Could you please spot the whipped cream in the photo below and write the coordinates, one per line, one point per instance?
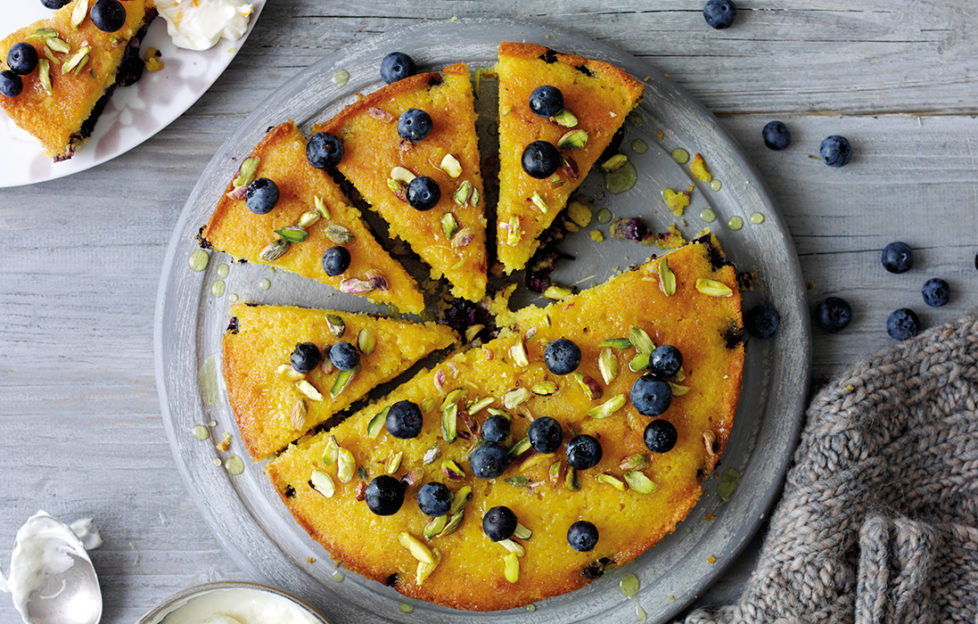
(200, 24)
(238, 606)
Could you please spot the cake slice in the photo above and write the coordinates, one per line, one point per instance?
(647, 477)
(311, 218)
(560, 141)
(449, 232)
(79, 68)
(279, 391)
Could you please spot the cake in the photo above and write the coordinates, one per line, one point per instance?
(449, 232)
(310, 207)
(275, 399)
(342, 484)
(79, 68)
(593, 102)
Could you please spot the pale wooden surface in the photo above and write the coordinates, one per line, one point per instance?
(80, 257)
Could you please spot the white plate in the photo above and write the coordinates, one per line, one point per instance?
(133, 113)
(246, 513)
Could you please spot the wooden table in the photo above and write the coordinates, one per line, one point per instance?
(80, 257)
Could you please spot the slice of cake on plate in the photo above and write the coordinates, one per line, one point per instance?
(80, 55)
(289, 369)
(411, 151)
(522, 468)
(557, 114)
(282, 211)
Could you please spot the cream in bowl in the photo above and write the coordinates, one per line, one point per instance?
(232, 603)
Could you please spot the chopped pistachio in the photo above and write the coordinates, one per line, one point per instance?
(453, 397)
(573, 139)
(44, 75)
(346, 466)
(638, 481)
(322, 483)
(607, 408)
(557, 292)
(397, 188)
(79, 13)
(452, 470)
(377, 422)
(309, 390)
(462, 193)
(472, 331)
(453, 524)
(610, 480)
(451, 166)
(428, 404)
(713, 288)
(678, 390)
(356, 286)
(275, 250)
(43, 33)
(77, 61)
(520, 447)
(435, 526)
(589, 385)
(463, 237)
(289, 373)
(564, 118)
(332, 450)
(366, 341)
(617, 343)
(534, 460)
(571, 480)
(308, 219)
(57, 45)
(51, 57)
(518, 353)
(449, 422)
(431, 455)
(401, 174)
(638, 461)
(338, 234)
(495, 411)
(449, 225)
(462, 496)
(522, 532)
(474, 200)
(544, 388)
(515, 397)
(320, 206)
(540, 202)
(377, 279)
(513, 547)
(614, 163)
(416, 547)
(639, 363)
(608, 365)
(511, 567)
(342, 381)
(641, 339)
(424, 570)
(554, 472)
(393, 462)
(579, 212)
(478, 406)
(297, 417)
(293, 233)
(521, 482)
(513, 231)
(667, 279)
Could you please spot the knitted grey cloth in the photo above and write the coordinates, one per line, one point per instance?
(879, 517)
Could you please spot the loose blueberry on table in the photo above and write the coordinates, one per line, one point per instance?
(541, 159)
(763, 320)
(545, 434)
(776, 135)
(835, 151)
(384, 495)
(423, 193)
(660, 436)
(324, 150)
(833, 314)
(562, 356)
(665, 361)
(435, 499)
(261, 196)
(414, 125)
(651, 396)
(22, 58)
(720, 13)
(488, 461)
(305, 357)
(902, 324)
(583, 452)
(396, 66)
(495, 429)
(936, 292)
(897, 257)
(582, 536)
(344, 356)
(336, 260)
(546, 101)
(499, 523)
(108, 15)
(404, 420)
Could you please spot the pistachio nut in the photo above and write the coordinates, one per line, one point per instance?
(309, 390)
(339, 234)
(366, 341)
(451, 166)
(377, 422)
(274, 250)
(564, 118)
(573, 139)
(416, 547)
(608, 365)
(614, 482)
(638, 481)
(641, 340)
(667, 279)
(322, 483)
(343, 380)
(540, 202)
(608, 408)
(346, 466)
(713, 288)
(449, 225)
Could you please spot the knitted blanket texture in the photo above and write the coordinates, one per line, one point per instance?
(878, 522)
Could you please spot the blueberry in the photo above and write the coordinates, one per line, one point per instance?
(562, 356)
(540, 159)
(324, 150)
(404, 420)
(423, 193)
(583, 451)
(336, 260)
(833, 314)
(488, 461)
(936, 292)
(22, 58)
(54, 4)
(651, 396)
(546, 101)
(776, 135)
(660, 436)
(897, 257)
(261, 196)
(10, 83)
(763, 320)
(495, 429)
(835, 151)
(435, 499)
(414, 125)
(384, 495)
(545, 434)
(499, 523)
(396, 66)
(582, 536)
(305, 357)
(108, 15)
(719, 13)
(344, 356)
(665, 361)
(902, 324)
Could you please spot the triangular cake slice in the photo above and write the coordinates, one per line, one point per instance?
(310, 207)
(633, 496)
(79, 68)
(450, 236)
(596, 98)
(275, 402)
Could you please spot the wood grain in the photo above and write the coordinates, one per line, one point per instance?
(80, 257)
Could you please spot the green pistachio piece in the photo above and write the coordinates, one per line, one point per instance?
(451, 166)
(43, 33)
(667, 279)
(400, 174)
(431, 455)
(517, 481)
(554, 471)
(518, 354)
(544, 388)
(308, 219)
(428, 404)
(589, 385)
(452, 470)
(462, 193)
(479, 405)
(639, 363)
(377, 422)
(416, 547)
(571, 480)
(309, 390)
(393, 462)
(713, 288)
(366, 341)
(511, 567)
(331, 451)
(338, 234)
(275, 250)
(610, 480)
(44, 75)
(637, 480)
(342, 381)
(449, 225)
(435, 526)
(608, 408)
(474, 200)
(640, 338)
(677, 390)
(495, 411)
(573, 139)
(449, 422)
(57, 45)
(362, 473)
(77, 60)
(515, 397)
(522, 532)
(608, 365)
(322, 483)
(462, 496)
(614, 163)
(318, 203)
(520, 447)
(617, 343)
(454, 396)
(513, 547)
(424, 570)
(293, 233)
(336, 325)
(540, 202)
(564, 118)
(453, 524)
(51, 57)
(346, 466)
(638, 461)
(79, 13)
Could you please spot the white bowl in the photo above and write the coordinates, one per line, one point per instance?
(158, 613)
